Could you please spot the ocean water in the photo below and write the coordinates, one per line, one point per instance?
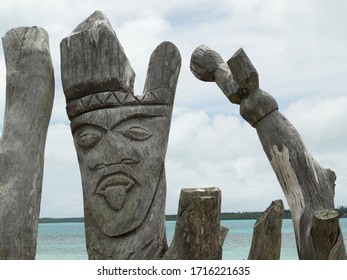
(66, 241)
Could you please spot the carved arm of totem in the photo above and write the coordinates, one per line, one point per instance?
(308, 187)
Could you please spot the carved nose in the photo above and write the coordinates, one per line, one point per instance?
(113, 150)
(123, 161)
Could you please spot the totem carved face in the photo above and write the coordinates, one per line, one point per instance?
(121, 154)
(120, 138)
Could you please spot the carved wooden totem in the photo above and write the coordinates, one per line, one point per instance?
(308, 187)
(29, 101)
(120, 139)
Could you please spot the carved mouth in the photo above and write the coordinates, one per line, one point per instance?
(114, 189)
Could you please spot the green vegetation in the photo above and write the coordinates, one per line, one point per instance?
(249, 215)
(238, 216)
(342, 211)
(224, 216)
(170, 217)
(60, 220)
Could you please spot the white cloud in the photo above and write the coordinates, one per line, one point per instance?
(321, 121)
(60, 153)
(149, 29)
(298, 48)
(61, 191)
(219, 151)
(223, 151)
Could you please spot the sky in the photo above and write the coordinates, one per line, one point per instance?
(297, 46)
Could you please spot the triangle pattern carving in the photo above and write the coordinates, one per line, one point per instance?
(94, 102)
(103, 97)
(121, 96)
(113, 100)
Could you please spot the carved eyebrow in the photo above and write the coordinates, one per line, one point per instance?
(74, 129)
(136, 116)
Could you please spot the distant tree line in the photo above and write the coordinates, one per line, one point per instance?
(224, 216)
(60, 220)
(342, 211)
(249, 215)
(237, 216)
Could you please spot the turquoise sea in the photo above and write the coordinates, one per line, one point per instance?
(66, 241)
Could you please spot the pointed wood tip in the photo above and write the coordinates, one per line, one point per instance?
(95, 20)
(243, 71)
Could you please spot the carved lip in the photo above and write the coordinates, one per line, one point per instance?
(118, 179)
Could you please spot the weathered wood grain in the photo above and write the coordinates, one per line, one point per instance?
(307, 186)
(325, 234)
(198, 234)
(29, 100)
(267, 234)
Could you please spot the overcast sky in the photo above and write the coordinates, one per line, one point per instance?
(297, 46)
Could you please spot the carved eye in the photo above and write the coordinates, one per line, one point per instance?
(88, 140)
(136, 133)
(88, 136)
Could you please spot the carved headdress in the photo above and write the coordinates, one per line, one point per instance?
(97, 74)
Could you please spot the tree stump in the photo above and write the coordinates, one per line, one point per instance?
(307, 186)
(198, 234)
(326, 233)
(29, 101)
(267, 234)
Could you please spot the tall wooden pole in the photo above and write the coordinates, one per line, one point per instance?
(29, 101)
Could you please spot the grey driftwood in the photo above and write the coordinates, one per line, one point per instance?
(308, 187)
(29, 100)
(267, 234)
(120, 140)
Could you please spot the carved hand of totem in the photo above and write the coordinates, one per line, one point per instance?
(238, 79)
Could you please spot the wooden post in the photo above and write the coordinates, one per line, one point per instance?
(326, 233)
(267, 236)
(198, 234)
(307, 186)
(29, 101)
